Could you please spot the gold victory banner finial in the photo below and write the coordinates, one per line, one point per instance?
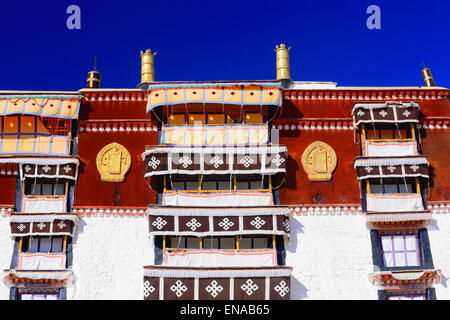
(283, 65)
(147, 66)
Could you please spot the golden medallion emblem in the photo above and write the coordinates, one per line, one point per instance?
(319, 161)
(113, 162)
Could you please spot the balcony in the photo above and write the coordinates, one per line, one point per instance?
(179, 283)
(391, 167)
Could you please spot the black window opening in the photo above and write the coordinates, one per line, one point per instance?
(217, 182)
(382, 131)
(223, 243)
(44, 187)
(35, 244)
(393, 185)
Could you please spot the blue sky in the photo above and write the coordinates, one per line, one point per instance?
(222, 40)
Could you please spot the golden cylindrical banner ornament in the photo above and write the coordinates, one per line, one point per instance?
(147, 66)
(283, 65)
(93, 79)
(428, 77)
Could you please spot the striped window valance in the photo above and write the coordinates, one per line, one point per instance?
(385, 112)
(237, 93)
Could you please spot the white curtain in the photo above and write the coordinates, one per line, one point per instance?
(221, 258)
(390, 149)
(392, 202)
(42, 261)
(44, 205)
(217, 199)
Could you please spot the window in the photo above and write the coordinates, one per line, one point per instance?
(401, 250)
(45, 187)
(38, 296)
(241, 242)
(176, 119)
(407, 297)
(222, 182)
(196, 118)
(251, 182)
(183, 182)
(43, 244)
(253, 117)
(255, 242)
(379, 131)
(393, 185)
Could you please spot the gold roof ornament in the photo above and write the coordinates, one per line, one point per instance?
(94, 77)
(113, 162)
(283, 65)
(147, 66)
(428, 77)
(319, 161)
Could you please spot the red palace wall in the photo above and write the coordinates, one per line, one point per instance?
(134, 191)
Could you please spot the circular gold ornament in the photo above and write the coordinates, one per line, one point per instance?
(319, 161)
(113, 162)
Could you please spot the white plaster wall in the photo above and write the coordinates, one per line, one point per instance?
(439, 234)
(331, 256)
(108, 258)
(6, 251)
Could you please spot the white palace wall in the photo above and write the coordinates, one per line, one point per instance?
(6, 252)
(330, 255)
(109, 254)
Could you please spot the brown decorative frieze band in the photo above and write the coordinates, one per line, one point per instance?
(386, 112)
(210, 160)
(391, 167)
(92, 211)
(117, 126)
(59, 171)
(360, 94)
(217, 283)
(22, 278)
(218, 221)
(42, 224)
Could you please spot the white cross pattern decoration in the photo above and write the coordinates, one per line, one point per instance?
(258, 222)
(27, 168)
(278, 160)
(159, 223)
(46, 168)
(414, 168)
(185, 161)
(216, 161)
(391, 168)
(61, 225)
(21, 227)
(148, 289)
(41, 225)
(214, 288)
(361, 113)
(368, 169)
(226, 223)
(246, 161)
(193, 224)
(249, 287)
(178, 288)
(406, 113)
(67, 168)
(383, 113)
(282, 288)
(154, 163)
(286, 225)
